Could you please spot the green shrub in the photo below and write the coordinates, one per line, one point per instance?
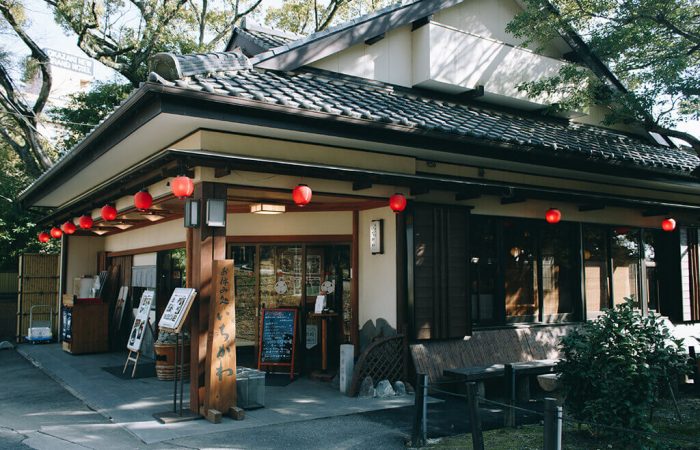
(614, 368)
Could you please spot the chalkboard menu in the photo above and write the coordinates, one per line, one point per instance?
(278, 338)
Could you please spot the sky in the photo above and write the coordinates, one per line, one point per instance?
(48, 34)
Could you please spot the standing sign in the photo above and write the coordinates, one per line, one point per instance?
(139, 327)
(176, 311)
(220, 372)
(278, 338)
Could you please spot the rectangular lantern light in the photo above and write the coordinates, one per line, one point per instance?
(216, 212)
(192, 218)
(267, 208)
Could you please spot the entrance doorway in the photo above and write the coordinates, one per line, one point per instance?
(293, 276)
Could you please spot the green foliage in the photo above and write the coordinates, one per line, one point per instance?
(85, 109)
(652, 47)
(18, 233)
(614, 367)
(308, 16)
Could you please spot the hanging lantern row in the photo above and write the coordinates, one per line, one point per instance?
(302, 195)
(668, 224)
(143, 200)
(68, 227)
(182, 186)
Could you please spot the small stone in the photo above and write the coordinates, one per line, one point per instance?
(5, 345)
(409, 388)
(367, 387)
(384, 389)
(400, 388)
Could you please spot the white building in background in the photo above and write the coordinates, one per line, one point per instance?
(70, 74)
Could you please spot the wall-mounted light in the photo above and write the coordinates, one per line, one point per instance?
(216, 212)
(99, 231)
(267, 208)
(192, 217)
(123, 226)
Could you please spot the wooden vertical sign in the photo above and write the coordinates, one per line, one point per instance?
(220, 379)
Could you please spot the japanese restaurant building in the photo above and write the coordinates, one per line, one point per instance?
(514, 217)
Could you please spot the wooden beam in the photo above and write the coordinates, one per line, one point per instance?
(421, 22)
(419, 190)
(375, 39)
(360, 185)
(461, 196)
(655, 212)
(511, 200)
(591, 207)
(220, 172)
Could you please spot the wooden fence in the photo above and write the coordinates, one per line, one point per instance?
(8, 305)
(38, 285)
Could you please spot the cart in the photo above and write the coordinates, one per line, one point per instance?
(40, 330)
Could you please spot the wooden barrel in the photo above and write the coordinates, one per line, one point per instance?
(165, 361)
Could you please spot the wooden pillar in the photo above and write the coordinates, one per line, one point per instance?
(355, 283)
(206, 245)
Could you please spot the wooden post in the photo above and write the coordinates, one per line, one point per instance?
(355, 283)
(474, 417)
(509, 379)
(552, 424)
(418, 433)
(220, 385)
(207, 244)
(696, 369)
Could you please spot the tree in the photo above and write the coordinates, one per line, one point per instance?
(123, 35)
(19, 118)
(85, 109)
(656, 83)
(308, 16)
(18, 232)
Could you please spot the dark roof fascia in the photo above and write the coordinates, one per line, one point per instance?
(138, 109)
(323, 43)
(235, 109)
(152, 170)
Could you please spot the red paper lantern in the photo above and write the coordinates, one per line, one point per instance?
(668, 224)
(43, 237)
(68, 227)
(397, 203)
(56, 233)
(85, 222)
(302, 195)
(182, 186)
(552, 215)
(143, 200)
(109, 212)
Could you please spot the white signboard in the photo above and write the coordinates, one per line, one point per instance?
(176, 311)
(139, 327)
(70, 62)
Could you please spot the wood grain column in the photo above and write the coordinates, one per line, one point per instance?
(355, 283)
(206, 244)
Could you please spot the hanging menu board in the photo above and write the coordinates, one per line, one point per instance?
(278, 338)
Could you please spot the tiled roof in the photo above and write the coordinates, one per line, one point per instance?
(270, 40)
(341, 95)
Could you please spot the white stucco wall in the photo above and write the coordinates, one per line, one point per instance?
(82, 258)
(289, 224)
(377, 296)
(158, 234)
(145, 259)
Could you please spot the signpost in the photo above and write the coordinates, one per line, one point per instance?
(220, 372)
(278, 338)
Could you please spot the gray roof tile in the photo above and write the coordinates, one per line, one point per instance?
(335, 95)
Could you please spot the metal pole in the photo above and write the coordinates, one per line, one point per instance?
(417, 433)
(552, 424)
(425, 411)
(509, 378)
(474, 417)
(175, 377)
(182, 366)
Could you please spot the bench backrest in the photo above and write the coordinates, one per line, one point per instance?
(487, 347)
